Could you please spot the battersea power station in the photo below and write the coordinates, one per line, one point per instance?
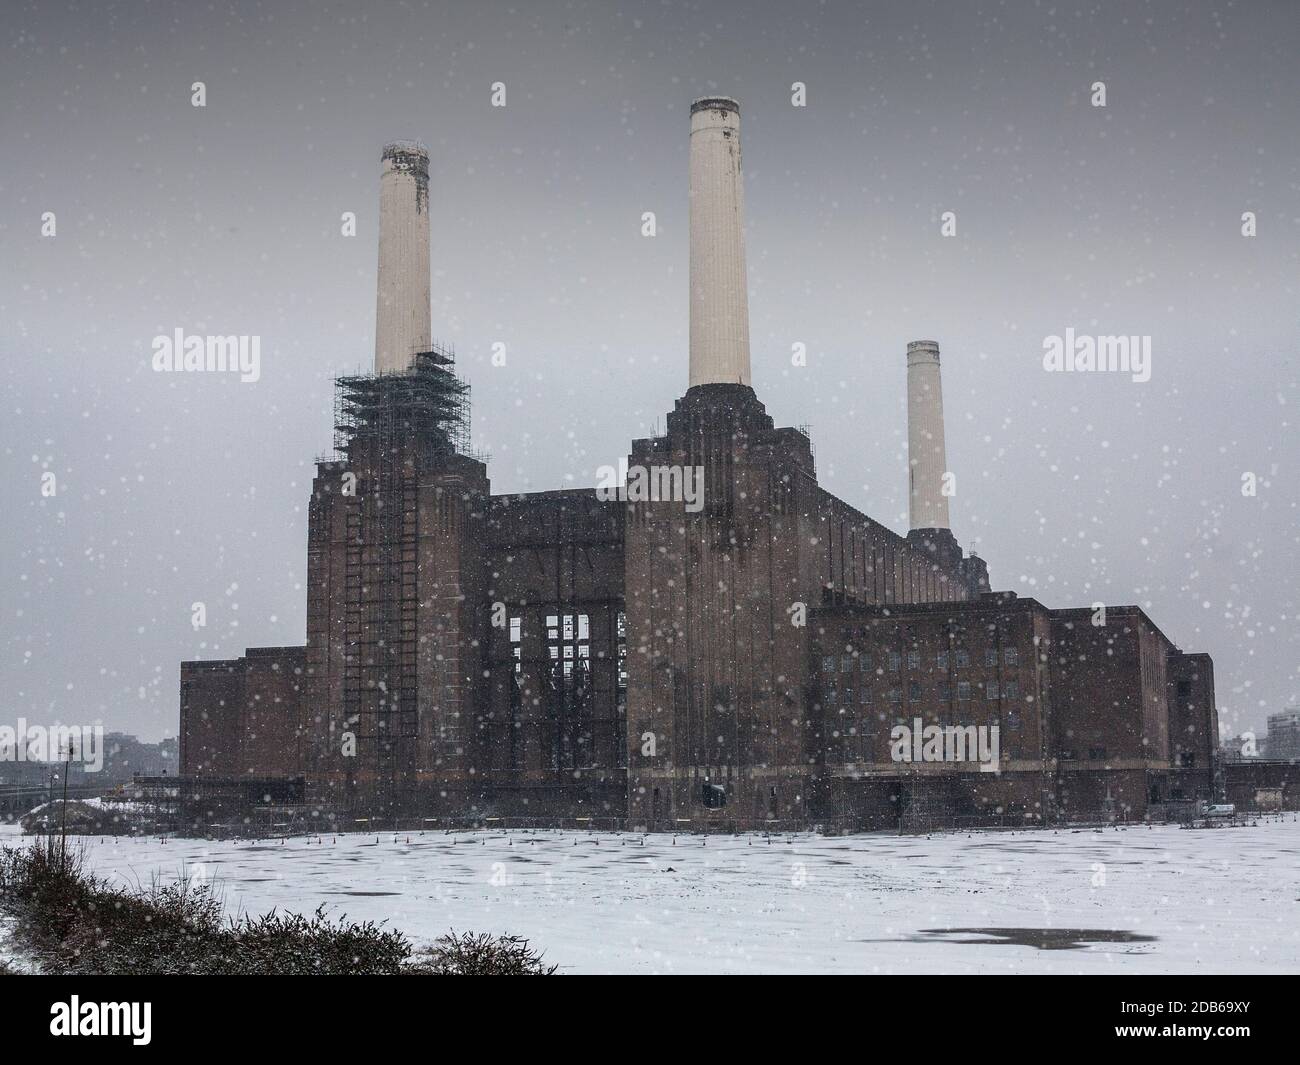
(716, 642)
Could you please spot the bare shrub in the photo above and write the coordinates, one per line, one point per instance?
(76, 923)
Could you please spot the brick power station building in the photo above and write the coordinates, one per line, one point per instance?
(747, 656)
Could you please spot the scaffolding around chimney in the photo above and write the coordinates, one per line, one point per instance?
(428, 402)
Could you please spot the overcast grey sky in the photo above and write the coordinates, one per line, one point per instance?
(177, 488)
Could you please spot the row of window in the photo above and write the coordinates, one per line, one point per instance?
(862, 742)
(992, 692)
(568, 642)
(861, 662)
(573, 626)
(847, 724)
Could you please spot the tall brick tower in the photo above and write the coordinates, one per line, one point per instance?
(720, 727)
(396, 617)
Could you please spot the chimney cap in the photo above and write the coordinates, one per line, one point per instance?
(715, 103)
(393, 149)
(923, 345)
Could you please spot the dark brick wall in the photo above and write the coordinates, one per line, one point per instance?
(1193, 717)
(979, 663)
(443, 655)
(717, 666)
(552, 730)
(212, 694)
(1243, 780)
(1111, 703)
(396, 627)
(240, 717)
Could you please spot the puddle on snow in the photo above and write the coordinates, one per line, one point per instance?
(1041, 938)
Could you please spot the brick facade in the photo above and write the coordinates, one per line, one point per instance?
(556, 655)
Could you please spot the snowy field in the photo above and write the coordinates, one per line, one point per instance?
(1136, 900)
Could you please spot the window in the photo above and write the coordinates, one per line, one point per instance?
(1011, 656)
(990, 656)
(963, 691)
(894, 661)
(516, 650)
(1184, 689)
(831, 696)
(963, 659)
(913, 660)
(991, 690)
(914, 691)
(945, 692)
(865, 695)
(567, 639)
(1067, 754)
(864, 662)
(941, 660)
(620, 628)
(1013, 721)
(895, 695)
(846, 663)
(1097, 754)
(848, 695)
(828, 664)
(1011, 690)
(1187, 759)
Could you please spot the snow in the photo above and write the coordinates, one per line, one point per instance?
(13, 957)
(1217, 900)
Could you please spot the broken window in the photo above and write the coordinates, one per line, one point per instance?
(569, 689)
(620, 626)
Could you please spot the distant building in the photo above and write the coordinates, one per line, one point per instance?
(1282, 741)
(126, 757)
(1243, 747)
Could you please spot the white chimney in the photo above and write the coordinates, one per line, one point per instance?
(927, 460)
(719, 295)
(402, 325)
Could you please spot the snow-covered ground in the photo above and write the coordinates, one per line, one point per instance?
(1147, 900)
